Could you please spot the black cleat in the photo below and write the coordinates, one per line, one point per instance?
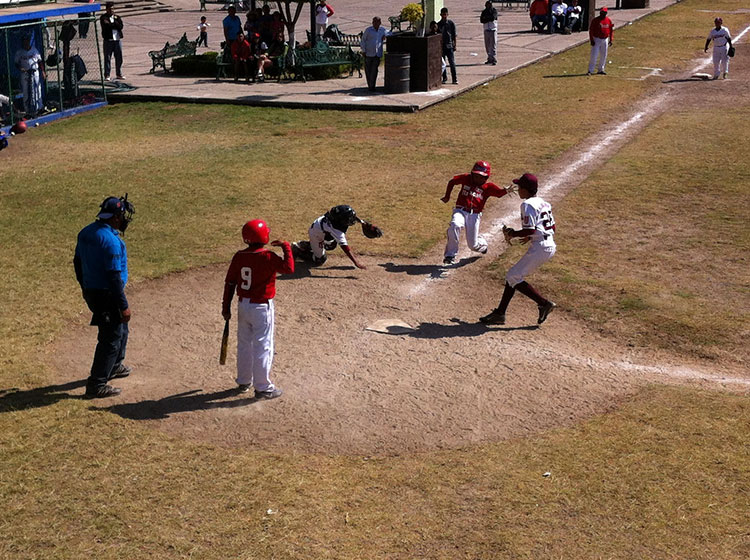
(121, 371)
(102, 392)
(494, 318)
(544, 311)
(449, 260)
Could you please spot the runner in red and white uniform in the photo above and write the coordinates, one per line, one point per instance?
(252, 273)
(475, 190)
(537, 229)
(601, 33)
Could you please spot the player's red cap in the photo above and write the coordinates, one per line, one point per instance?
(255, 231)
(527, 181)
(603, 9)
(482, 168)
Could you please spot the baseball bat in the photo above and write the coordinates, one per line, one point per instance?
(224, 344)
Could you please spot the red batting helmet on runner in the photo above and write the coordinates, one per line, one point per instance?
(482, 168)
(255, 231)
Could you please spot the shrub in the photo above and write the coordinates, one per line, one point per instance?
(196, 65)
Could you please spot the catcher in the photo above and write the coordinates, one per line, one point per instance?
(328, 231)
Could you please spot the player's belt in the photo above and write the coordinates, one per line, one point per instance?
(247, 299)
(469, 210)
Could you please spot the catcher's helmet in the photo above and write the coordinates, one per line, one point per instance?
(342, 215)
(113, 206)
(256, 231)
(482, 168)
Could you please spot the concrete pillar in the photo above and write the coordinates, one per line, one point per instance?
(432, 11)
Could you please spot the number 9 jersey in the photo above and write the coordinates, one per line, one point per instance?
(254, 271)
(536, 214)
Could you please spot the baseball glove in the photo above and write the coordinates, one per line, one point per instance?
(371, 231)
(506, 234)
(731, 52)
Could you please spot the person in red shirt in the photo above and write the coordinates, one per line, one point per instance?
(241, 55)
(475, 190)
(252, 273)
(539, 14)
(601, 33)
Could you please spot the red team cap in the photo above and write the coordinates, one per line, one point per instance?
(482, 168)
(527, 181)
(603, 9)
(256, 231)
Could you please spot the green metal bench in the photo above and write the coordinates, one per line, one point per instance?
(183, 47)
(323, 55)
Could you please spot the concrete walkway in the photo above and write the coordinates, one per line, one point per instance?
(517, 47)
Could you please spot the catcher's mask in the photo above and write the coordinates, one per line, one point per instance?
(343, 214)
(113, 206)
(256, 231)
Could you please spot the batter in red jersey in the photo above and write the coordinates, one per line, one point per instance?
(253, 274)
(475, 190)
(601, 33)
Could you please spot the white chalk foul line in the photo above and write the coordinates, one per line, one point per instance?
(682, 373)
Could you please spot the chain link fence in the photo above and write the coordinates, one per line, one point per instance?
(49, 66)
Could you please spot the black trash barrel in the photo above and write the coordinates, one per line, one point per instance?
(397, 68)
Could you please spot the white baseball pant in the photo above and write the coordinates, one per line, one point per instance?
(536, 256)
(255, 326)
(598, 49)
(721, 60)
(462, 219)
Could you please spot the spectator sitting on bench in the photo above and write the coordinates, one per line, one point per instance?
(573, 16)
(558, 16)
(538, 15)
(241, 56)
(259, 53)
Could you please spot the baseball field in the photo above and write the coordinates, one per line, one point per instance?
(616, 430)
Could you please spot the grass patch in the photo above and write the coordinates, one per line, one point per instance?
(664, 261)
(651, 480)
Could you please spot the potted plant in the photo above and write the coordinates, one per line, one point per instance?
(414, 14)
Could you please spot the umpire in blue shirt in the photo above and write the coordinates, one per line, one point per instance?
(101, 266)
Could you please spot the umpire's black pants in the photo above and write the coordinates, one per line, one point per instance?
(112, 339)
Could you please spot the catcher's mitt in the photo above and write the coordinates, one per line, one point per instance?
(731, 52)
(506, 234)
(371, 231)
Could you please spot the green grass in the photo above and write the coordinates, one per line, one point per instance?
(662, 477)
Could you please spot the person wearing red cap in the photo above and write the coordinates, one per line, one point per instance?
(538, 229)
(722, 43)
(601, 33)
(475, 190)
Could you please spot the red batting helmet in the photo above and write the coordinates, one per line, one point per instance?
(19, 128)
(256, 231)
(482, 168)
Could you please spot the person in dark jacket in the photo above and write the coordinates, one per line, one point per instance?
(112, 35)
(448, 29)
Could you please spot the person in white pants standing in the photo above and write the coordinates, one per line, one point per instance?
(253, 274)
(722, 42)
(601, 33)
(538, 229)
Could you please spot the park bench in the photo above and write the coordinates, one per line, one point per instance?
(396, 22)
(324, 55)
(225, 64)
(335, 38)
(183, 47)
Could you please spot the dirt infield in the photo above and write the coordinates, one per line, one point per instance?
(450, 383)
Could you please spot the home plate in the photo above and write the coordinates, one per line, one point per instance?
(390, 326)
(702, 76)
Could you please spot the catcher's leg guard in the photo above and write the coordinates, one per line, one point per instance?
(318, 261)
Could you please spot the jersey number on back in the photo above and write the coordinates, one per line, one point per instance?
(548, 222)
(247, 277)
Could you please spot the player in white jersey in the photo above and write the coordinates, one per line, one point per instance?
(538, 229)
(722, 41)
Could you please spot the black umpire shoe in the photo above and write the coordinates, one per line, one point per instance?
(494, 318)
(544, 311)
(102, 392)
(121, 371)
